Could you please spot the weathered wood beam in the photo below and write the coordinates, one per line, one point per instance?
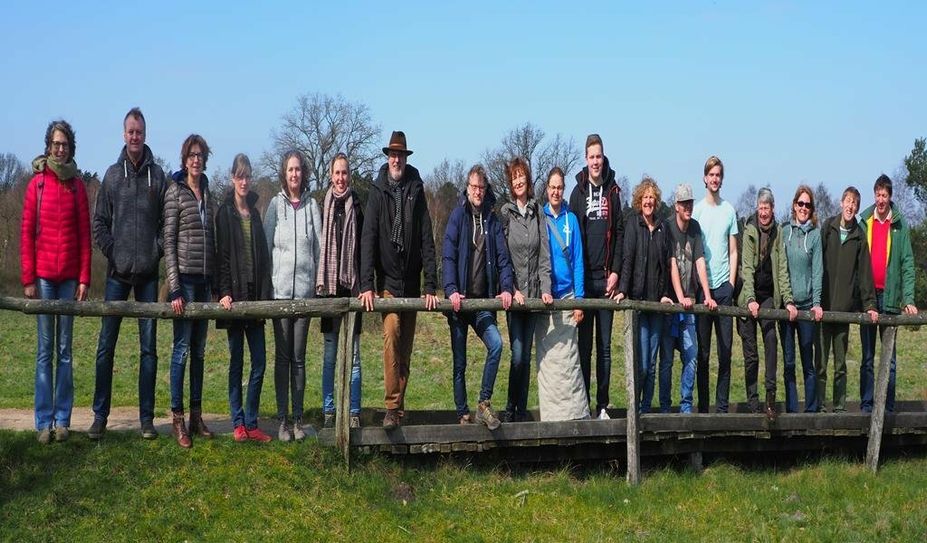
(881, 392)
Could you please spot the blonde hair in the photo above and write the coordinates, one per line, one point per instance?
(641, 189)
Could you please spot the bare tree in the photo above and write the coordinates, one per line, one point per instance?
(825, 205)
(746, 204)
(320, 126)
(442, 189)
(527, 141)
(12, 171)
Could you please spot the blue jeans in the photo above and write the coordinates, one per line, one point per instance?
(807, 343)
(521, 338)
(237, 333)
(148, 359)
(651, 327)
(867, 336)
(679, 334)
(329, 353)
(189, 339)
(53, 402)
(484, 324)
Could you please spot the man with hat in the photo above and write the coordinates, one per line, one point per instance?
(397, 244)
(687, 274)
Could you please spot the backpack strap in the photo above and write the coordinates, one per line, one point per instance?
(564, 248)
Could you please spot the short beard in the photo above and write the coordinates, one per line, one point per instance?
(396, 179)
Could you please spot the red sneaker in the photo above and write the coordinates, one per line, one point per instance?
(258, 435)
(240, 434)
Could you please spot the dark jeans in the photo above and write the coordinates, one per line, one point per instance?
(484, 324)
(724, 330)
(290, 336)
(521, 338)
(599, 323)
(746, 327)
(189, 340)
(237, 333)
(106, 347)
(807, 332)
(867, 336)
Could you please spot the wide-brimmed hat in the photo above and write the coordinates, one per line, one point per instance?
(397, 142)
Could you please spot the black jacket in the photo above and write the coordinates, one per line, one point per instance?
(398, 272)
(614, 244)
(637, 270)
(232, 279)
(127, 218)
(847, 284)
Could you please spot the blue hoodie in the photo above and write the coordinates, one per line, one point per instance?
(567, 274)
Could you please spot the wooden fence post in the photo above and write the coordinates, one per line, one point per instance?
(343, 369)
(877, 419)
(631, 357)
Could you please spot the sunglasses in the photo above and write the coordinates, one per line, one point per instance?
(806, 205)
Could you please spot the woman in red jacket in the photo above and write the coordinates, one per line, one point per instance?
(55, 258)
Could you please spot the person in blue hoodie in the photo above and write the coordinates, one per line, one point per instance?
(561, 391)
(803, 251)
(476, 265)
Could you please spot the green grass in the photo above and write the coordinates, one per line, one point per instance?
(124, 488)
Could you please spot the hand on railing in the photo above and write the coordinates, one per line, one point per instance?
(431, 301)
(817, 313)
(506, 298)
(226, 302)
(367, 297)
(455, 299)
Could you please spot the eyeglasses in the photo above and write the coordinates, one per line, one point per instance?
(194, 156)
(477, 188)
(806, 205)
(60, 145)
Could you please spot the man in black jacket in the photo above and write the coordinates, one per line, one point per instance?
(398, 245)
(127, 229)
(596, 201)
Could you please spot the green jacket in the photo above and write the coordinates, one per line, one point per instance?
(847, 269)
(750, 259)
(899, 276)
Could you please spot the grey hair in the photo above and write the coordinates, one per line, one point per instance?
(765, 196)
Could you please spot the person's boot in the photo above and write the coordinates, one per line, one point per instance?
(197, 426)
(179, 429)
(771, 413)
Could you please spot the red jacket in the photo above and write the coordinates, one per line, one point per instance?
(59, 249)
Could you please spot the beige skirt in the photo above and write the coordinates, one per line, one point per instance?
(561, 391)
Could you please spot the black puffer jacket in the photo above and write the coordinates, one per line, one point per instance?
(398, 272)
(231, 277)
(646, 260)
(127, 218)
(189, 242)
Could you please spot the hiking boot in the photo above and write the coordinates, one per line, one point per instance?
(62, 433)
(485, 415)
(197, 426)
(179, 429)
(256, 434)
(328, 421)
(355, 421)
(771, 413)
(465, 419)
(298, 433)
(283, 433)
(240, 434)
(148, 430)
(391, 419)
(44, 436)
(97, 429)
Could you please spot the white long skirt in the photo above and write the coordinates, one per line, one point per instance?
(561, 391)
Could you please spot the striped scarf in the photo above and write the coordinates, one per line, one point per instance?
(396, 236)
(338, 259)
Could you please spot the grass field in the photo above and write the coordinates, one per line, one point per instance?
(124, 488)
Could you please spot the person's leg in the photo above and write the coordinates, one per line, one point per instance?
(746, 328)
(787, 331)
(356, 376)
(298, 368)
(329, 353)
(488, 332)
(183, 331)
(841, 341)
(283, 359)
(391, 372)
(725, 330)
(236, 337)
(254, 332)
(603, 359)
(516, 326)
(703, 329)
(44, 358)
(148, 352)
(651, 327)
(688, 345)
(407, 338)
(890, 395)
(808, 333)
(770, 350)
(64, 372)
(867, 339)
(459, 325)
(821, 360)
(106, 348)
(672, 332)
(198, 332)
(584, 344)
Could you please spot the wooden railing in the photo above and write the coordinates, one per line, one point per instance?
(349, 307)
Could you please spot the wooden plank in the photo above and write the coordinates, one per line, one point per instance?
(631, 359)
(881, 392)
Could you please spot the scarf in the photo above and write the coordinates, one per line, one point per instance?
(767, 235)
(396, 236)
(65, 171)
(337, 260)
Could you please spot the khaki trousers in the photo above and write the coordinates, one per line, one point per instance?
(398, 333)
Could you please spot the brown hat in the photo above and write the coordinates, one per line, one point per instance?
(397, 142)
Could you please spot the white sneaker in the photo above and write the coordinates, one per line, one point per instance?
(603, 415)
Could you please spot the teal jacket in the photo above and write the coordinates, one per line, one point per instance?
(804, 254)
(899, 276)
(750, 260)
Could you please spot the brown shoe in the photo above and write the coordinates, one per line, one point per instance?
(771, 413)
(197, 426)
(391, 419)
(179, 429)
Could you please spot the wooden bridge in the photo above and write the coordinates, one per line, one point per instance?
(627, 436)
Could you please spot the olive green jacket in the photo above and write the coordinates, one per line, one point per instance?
(750, 260)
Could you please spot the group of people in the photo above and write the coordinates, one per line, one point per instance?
(583, 247)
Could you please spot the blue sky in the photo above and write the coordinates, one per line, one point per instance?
(783, 92)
